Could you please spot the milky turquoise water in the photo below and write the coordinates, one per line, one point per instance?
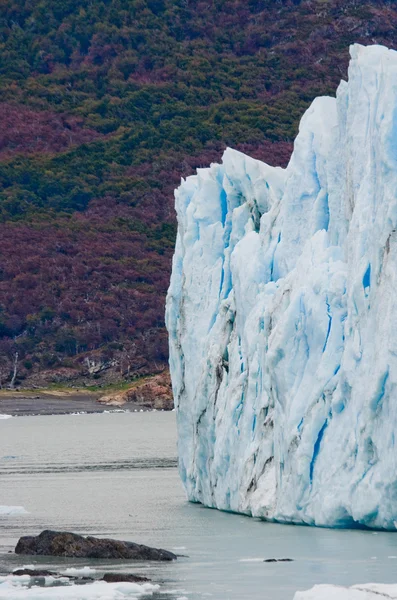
(115, 475)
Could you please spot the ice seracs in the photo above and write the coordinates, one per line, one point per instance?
(282, 315)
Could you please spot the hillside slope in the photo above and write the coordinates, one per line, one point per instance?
(103, 107)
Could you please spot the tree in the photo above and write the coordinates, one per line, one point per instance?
(15, 370)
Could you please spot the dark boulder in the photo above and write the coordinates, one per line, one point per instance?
(35, 573)
(63, 543)
(273, 560)
(285, 559)
(123, 578)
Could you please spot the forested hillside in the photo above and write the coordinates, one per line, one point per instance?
(104, 105)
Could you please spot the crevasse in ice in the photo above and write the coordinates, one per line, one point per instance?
(282, 317)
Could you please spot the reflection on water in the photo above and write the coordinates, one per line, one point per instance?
(115, 475)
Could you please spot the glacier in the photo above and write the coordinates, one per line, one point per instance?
(282, 317)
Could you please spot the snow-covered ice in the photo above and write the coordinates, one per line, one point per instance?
(79, 572)
(18, 581)
(20, 587)
(3, 417)
(16, 588)
(368, 591)
(11, 511)
(282, 315)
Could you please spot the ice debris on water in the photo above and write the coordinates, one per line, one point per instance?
(282, 316)
(11, 511)
(79, 572)
(368, 591)
(15, 588)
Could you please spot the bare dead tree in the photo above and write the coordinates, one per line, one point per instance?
(15, 370)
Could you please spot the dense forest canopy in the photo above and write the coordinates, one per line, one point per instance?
(104, 105)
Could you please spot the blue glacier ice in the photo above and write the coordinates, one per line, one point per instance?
(282, 317)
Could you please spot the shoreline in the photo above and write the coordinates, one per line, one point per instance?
(144, 395)
(18, 404)
(22, 404)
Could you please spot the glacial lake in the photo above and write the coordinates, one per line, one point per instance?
(115, 475)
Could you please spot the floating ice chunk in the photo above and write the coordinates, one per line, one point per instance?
(8, 511)
(28, 580)
(369, 591)
(15, 588)
(15, 580)
(79, 572)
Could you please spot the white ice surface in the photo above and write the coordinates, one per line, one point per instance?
(11, 511)
(15, 588)
(282, 317)
(368, 591)
(82, 572)
(2, 417)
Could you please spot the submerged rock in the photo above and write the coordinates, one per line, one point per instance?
(123, 578)
(35, 573)
(63, 543)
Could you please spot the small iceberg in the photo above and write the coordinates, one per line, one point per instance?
(11, 511)
(367, 591)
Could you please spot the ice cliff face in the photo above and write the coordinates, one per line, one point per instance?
(282, 315)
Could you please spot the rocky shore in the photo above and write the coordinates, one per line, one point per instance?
(152, 392)
(148, 393)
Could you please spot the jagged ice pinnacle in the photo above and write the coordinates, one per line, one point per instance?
(282, 317)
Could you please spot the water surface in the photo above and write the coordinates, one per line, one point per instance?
(115, 475)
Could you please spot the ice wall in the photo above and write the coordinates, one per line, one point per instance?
(282, 317)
